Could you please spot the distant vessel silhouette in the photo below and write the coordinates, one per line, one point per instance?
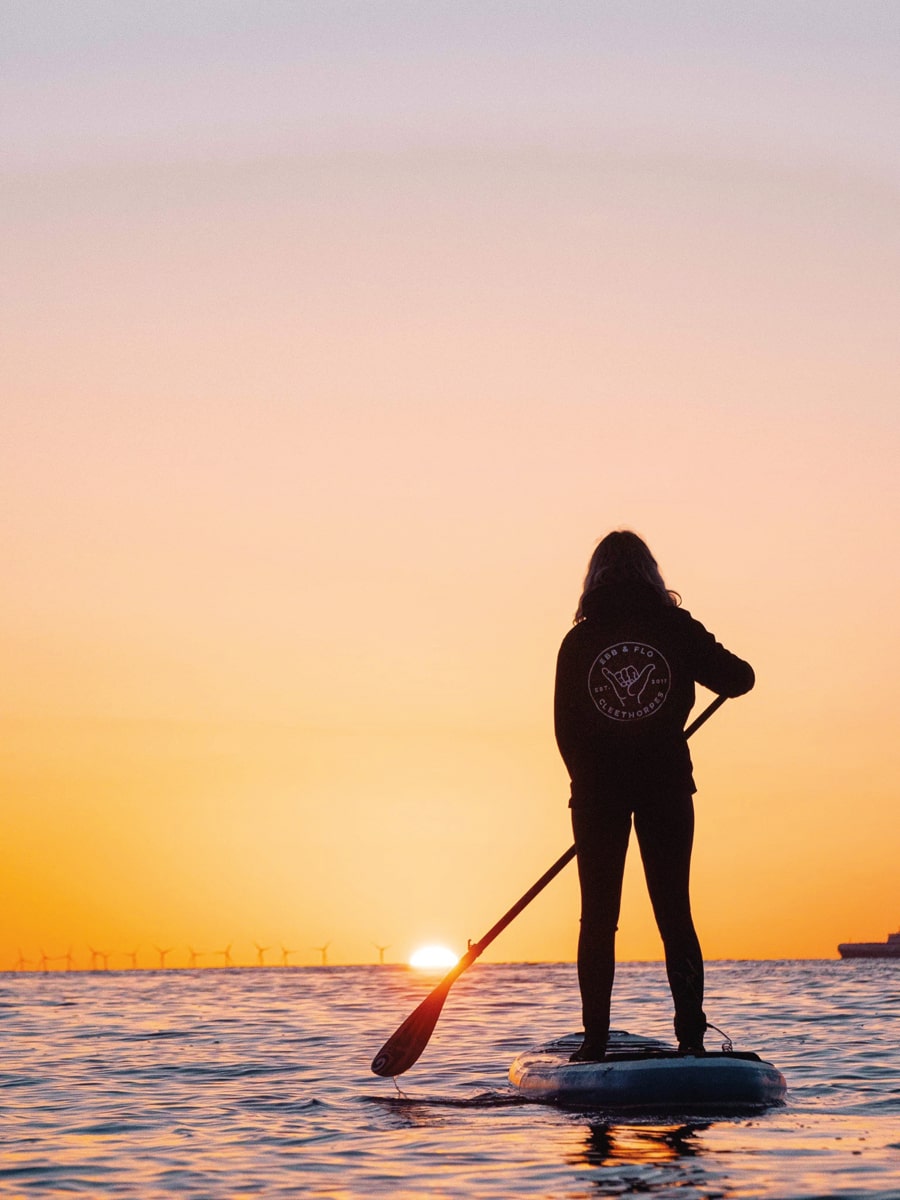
(888, 949)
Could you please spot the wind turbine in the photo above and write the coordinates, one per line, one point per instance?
(284, 955)
(193, 955)
(226, 956)
(162, 956)
(43, 960)
(260, 951)
(381, 950)
(95, 954)
(323, 950)
(21, 961)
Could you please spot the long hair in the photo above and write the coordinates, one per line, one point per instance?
(623, 557)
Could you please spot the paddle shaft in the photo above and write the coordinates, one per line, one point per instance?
(406, 1044)
(562, 861)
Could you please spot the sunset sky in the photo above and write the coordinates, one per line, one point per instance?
(334, 335)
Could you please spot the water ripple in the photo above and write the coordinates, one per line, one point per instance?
(225, 1083)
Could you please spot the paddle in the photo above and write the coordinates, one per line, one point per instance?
(406, 1044)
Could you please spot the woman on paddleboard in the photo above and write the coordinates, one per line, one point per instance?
(624, 688)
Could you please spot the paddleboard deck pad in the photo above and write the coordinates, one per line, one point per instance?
(646, 1075)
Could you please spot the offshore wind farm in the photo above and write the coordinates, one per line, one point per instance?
(171, 958)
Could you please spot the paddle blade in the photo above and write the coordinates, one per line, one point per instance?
(405, 1045)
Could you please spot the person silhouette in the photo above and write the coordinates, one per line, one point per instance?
(625, 684)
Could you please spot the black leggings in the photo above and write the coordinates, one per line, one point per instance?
(665, 833)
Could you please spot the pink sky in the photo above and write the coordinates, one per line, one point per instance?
(334, 337)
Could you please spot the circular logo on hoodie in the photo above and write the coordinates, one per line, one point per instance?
(629, 681)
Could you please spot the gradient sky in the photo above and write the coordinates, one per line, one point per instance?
(334, 336)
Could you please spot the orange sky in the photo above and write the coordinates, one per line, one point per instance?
(333, 339)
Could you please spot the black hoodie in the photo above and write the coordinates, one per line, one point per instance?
(624, 689)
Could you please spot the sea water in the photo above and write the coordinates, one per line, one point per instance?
(256, 1082)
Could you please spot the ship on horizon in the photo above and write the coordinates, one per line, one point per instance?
(888, 949)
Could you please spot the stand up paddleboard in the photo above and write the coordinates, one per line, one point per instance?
(644, 1074)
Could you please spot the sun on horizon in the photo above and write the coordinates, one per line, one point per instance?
(431, 957)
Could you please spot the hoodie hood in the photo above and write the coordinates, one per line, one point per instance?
(610, 599)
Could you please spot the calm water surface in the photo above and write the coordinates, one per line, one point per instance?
(244, 1082)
